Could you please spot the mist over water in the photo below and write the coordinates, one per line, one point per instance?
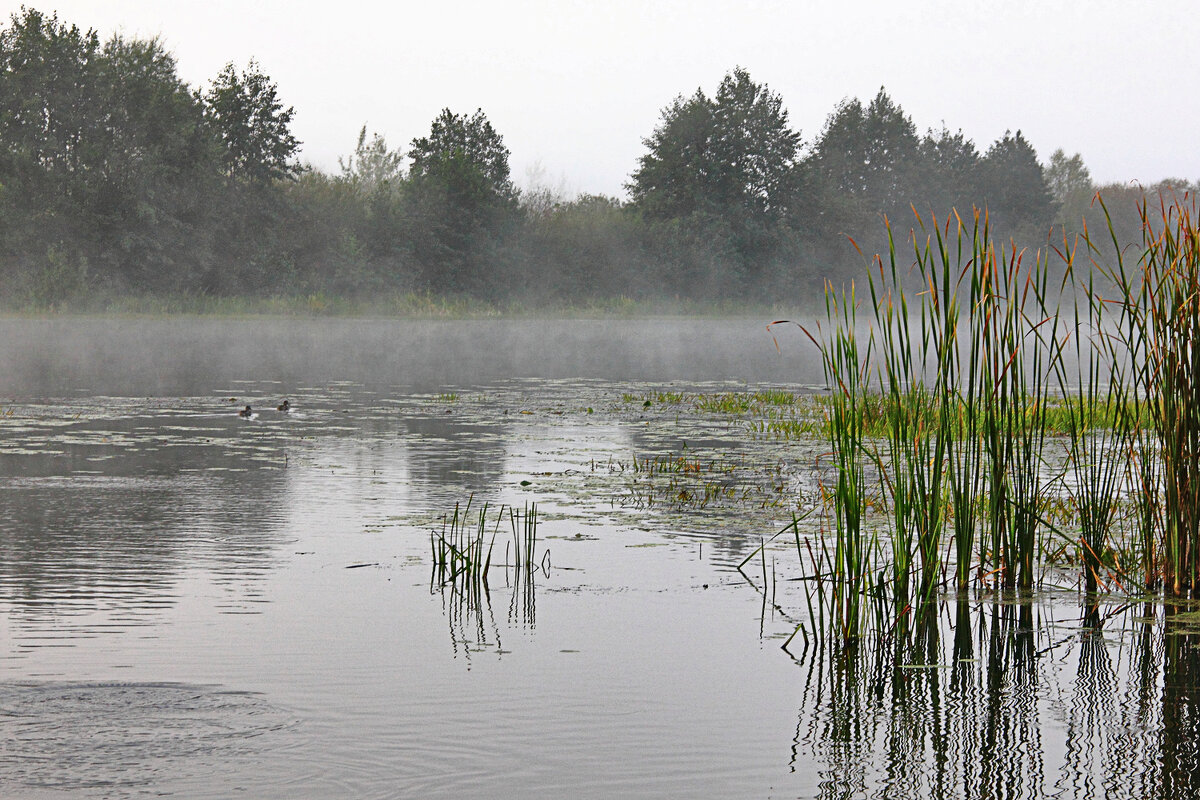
(190, 356)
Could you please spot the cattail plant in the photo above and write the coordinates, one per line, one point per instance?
(1159, 327)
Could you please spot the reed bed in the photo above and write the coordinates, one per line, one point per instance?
(990, 386)
(1157, 304)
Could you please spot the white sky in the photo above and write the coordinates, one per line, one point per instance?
(574, 85)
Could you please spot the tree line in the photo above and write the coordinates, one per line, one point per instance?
(117, 178)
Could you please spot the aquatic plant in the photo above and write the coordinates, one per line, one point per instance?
(853, 577)
(956, 377)
(462, 554)
(462, 550)
(973, 357)
(1097, 417)
(716, 480)
(1158, 328)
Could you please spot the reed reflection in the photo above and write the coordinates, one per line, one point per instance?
(467, 565)
(996, 698)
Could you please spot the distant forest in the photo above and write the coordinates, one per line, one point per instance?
(118, 179)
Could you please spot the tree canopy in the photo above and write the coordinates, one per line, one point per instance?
(1014, 183)
(244, 111)
(723, 167)
(466, 156)
(117, 177)
(732, 153)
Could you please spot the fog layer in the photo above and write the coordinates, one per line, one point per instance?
(132, 357)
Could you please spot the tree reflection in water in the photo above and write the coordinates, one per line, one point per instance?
(994, 698)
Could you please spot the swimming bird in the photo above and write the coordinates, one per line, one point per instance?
(246, 412)
(284, 406)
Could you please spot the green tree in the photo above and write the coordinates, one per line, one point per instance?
(105, 156)
(671, 179)
(373, 165)
(948, 174)
(1014, 186)
(158, 168)
(48, 119)
(724, 169)
(252, 131)
(461, 203)
(466, 156)
(1070, 185)
(734, 152)
(862, 166)
(868, 154)
(246, 115)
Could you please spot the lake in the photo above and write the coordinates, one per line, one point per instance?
(198, 604)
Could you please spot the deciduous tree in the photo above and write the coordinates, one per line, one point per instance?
(252, 124)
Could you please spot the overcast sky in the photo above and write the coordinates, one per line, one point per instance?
(574, 86)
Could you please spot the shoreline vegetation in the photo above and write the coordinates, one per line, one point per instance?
(122, 188)
(941, 408)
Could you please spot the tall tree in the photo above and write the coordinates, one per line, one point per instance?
(733, 152)
(48, 122)
(466, 156)
(1070, 185)
(724, 168)
(250, 121)
(868, 154)
(947, 174)
(159, 167)
(671, 181)
(1014, 186)
(461, 202)
(104, 155)
(252, 129)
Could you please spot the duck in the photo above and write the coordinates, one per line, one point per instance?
(246, 413)
(285, 406)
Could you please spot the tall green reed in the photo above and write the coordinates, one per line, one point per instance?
(1159, 327)
(975, 350)
(853, 570)
(1019, 336)
(966, 393)
(1099, 420)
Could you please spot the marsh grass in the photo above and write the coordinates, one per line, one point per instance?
(974, 355)
(1157, 305)
(689, 481)
(854, 565)
(462, 551)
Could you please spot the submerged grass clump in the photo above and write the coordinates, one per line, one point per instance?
(1015, 411)
(463, 563)
(687, 481)
(462, 550)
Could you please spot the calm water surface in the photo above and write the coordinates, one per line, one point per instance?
(194, 604)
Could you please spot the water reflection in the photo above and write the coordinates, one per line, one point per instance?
(472, 618)
(117, 512)
(1179, 727)
(466, 454)
(106, 507)
(996, 698)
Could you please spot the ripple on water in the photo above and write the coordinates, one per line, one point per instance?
(116, 737)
